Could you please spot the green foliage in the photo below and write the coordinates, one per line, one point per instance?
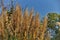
(52, 19)
(59, 17)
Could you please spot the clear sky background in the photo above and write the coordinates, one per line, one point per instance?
(42, 6)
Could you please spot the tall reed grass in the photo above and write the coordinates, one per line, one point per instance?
(21, 26)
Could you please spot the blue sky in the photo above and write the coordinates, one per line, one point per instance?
(41, 6)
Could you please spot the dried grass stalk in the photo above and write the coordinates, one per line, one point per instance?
(17, 26)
